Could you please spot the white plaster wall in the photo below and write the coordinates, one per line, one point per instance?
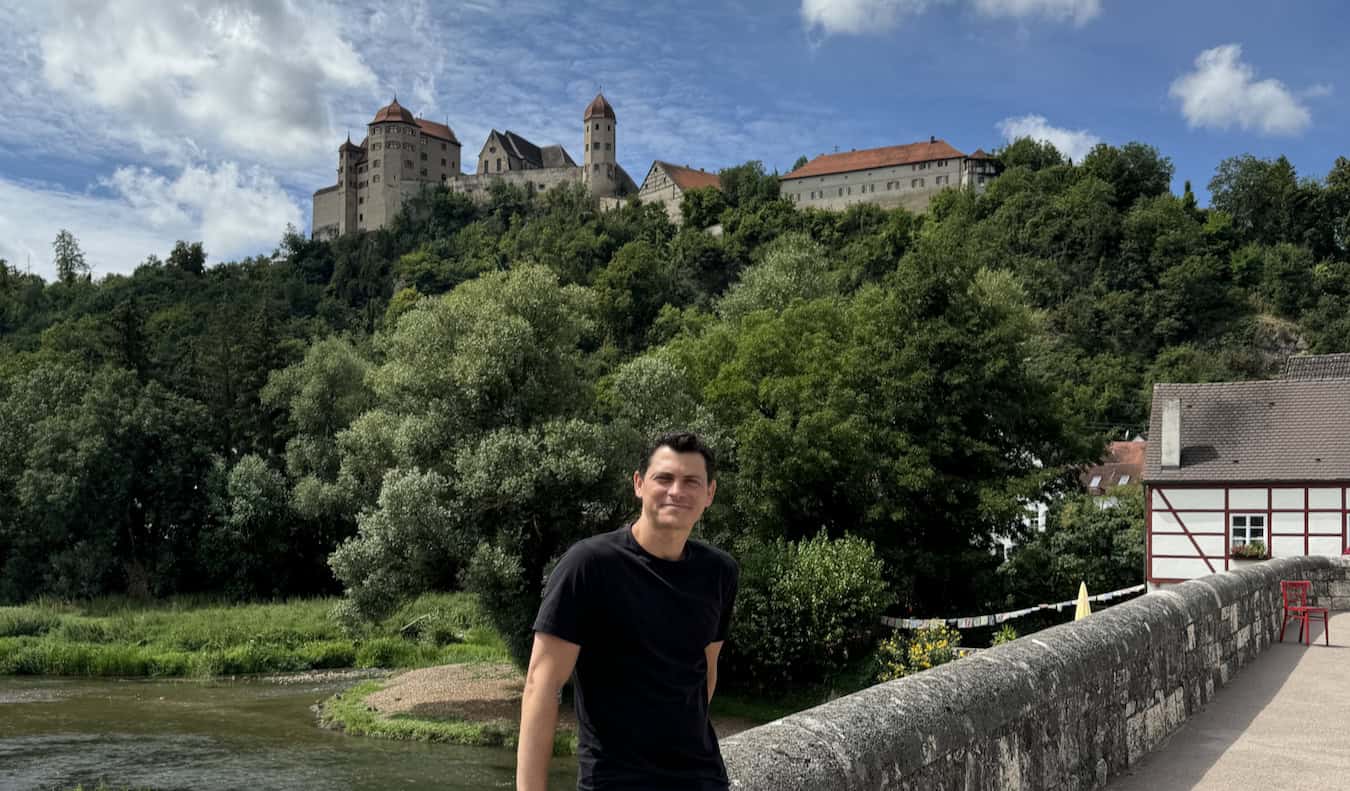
(1183, 568)
(1189, 498)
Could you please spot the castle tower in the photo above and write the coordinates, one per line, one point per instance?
(601, 158)
(391, 156)
(350, 158)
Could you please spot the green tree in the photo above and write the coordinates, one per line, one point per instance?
(1089, 539)
(801, 161)
(1031, 154)
(481, 408)
(190, 258)
(1259, 195)
(69, 258)
(702, 207)
(245, 548)
(1135, 170)
(747, 185)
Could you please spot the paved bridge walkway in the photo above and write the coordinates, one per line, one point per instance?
(1282, 723)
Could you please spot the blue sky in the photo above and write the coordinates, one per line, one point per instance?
(137, 122)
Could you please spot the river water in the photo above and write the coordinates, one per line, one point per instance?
(56, 733)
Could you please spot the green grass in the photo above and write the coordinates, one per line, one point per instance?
(196, 637)
(349, 712)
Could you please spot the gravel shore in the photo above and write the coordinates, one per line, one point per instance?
(479, 692)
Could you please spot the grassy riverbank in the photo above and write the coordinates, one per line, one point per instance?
(349, 712)
(194, 638)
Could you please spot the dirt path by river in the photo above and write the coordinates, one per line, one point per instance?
(479, 693)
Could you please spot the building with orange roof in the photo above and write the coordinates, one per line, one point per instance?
(403, 154)
(667, 184)
(905, 176)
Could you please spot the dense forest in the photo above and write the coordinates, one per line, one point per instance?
(450, 402)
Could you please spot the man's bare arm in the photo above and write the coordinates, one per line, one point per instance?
(712, 651)
(551, 662)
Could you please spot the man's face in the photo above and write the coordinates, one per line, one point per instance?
(676, 490)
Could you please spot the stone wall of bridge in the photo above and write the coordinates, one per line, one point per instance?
(1062, 709)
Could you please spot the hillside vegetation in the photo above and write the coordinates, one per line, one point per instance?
(450, 402)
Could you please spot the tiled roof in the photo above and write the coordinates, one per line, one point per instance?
(690, 179)
(436, 130)
(599, 106)
(520, 147)
(556, 157)
(1277, 430)
(889, 156)
(1123, 463)
(393, 112)
(980, 154)
(1317, 366)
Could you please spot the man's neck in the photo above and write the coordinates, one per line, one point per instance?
(664, 543)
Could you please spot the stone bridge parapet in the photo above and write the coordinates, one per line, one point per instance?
(1061, 709)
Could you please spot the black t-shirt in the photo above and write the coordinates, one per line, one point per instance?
(640, 683)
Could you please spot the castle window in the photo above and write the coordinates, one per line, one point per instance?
(424, 172)
(442, 146)
(424, 155)
(442, 161)
(841, 192)
(375, 179)
(407, 163)
(360, 200)
(595, 146)
(597, 127)
(606, 146)
(360, 218)
(499, 164)
(374, 164)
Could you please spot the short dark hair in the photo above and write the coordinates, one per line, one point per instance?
(680, 442)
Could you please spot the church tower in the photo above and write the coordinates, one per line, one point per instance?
(601, 158)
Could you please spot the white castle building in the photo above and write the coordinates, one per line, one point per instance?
(402, 154)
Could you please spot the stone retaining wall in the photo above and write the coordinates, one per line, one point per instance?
(1065, 708)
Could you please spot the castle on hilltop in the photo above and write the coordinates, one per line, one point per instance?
(402, 154)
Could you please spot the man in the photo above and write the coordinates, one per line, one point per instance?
(640, 613)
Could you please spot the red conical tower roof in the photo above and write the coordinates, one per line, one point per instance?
(599, 106)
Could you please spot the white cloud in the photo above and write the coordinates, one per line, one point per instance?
(1222, 92)
(234, 212)
(853, 17)
(857, 16)
(1078, 12)
(1073, 143)
(250, 78)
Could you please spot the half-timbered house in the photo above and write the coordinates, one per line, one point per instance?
(1232, 463)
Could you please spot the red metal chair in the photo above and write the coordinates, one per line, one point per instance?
(1296, 608)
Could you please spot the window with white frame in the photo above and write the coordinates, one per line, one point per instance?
(1248, 529)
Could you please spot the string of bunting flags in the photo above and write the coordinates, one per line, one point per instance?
(973, 621)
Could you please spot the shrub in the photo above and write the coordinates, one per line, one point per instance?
(498, 579)
(1005, 634)
(927, 647)
(804, 609)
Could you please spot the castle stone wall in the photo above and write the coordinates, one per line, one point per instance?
(540, 179)
(327, 220)
(1063, 709)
